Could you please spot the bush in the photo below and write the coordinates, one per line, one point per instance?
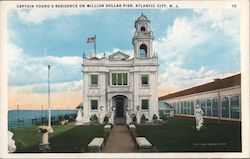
(143, 118)
(155, 117)
(134, 119)
(94, 118)
(106, 120)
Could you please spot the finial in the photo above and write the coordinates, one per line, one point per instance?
(142, 14)
(83, 55)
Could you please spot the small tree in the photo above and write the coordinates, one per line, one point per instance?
(143, 118)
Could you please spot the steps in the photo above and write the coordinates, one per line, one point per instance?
(120, 121)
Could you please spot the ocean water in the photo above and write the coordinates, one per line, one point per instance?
(32, 114)
(33, 117)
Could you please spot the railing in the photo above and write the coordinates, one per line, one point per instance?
(144, 34)
(55, 120)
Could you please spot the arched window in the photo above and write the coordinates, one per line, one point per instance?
(209, 107)
(143, 28)
(225, 107)
(143, 51)
(215, 106)
(235, 107)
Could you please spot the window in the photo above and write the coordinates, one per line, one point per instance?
(119, 79)
(175, 108)
(94, 79)
(182, 109)
(189, 107)
(143, 51)
(144, 104)
(143, 28)
(113, 79)
(178, 108)
(203, 105)
(185, 107)
(192, 107)
(94, 104)
(215, 107)
(209, 107)
(125, 79)
(225, 107)
(144, 79)
(235, 107)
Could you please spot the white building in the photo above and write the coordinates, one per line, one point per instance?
(119, 86)
(220, 99)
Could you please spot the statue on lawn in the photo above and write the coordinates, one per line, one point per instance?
(11, 142)
(198, 117)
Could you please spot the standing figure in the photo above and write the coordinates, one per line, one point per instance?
(198, 117)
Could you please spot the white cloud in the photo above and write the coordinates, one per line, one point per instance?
(181, 40)
(54, 87)
(23, 69)
(37, 16)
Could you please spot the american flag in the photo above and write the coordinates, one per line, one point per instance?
(91, 40)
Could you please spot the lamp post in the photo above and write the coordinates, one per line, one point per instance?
(41, 111)
(17, 105)
(49, 120)
(58, 111)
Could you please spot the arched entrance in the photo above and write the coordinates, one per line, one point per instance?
(120, 102)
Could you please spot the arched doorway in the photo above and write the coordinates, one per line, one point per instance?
(120, 102)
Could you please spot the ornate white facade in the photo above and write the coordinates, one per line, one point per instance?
(120, 87)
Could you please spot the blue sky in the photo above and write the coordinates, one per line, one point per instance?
(194, 46)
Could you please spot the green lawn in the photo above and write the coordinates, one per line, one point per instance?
(180, 135)
(66, 138)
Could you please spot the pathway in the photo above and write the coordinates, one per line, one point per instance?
(119, 141)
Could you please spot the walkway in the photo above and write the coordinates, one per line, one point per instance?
(119, 141)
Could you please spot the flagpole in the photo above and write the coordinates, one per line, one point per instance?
(49, 110)
(95, 45)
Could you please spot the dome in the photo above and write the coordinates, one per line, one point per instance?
(142, 18)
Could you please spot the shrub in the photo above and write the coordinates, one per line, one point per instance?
(143, 118)
(134, 119)
(155, 117)
(106, 120)
(94, 118)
